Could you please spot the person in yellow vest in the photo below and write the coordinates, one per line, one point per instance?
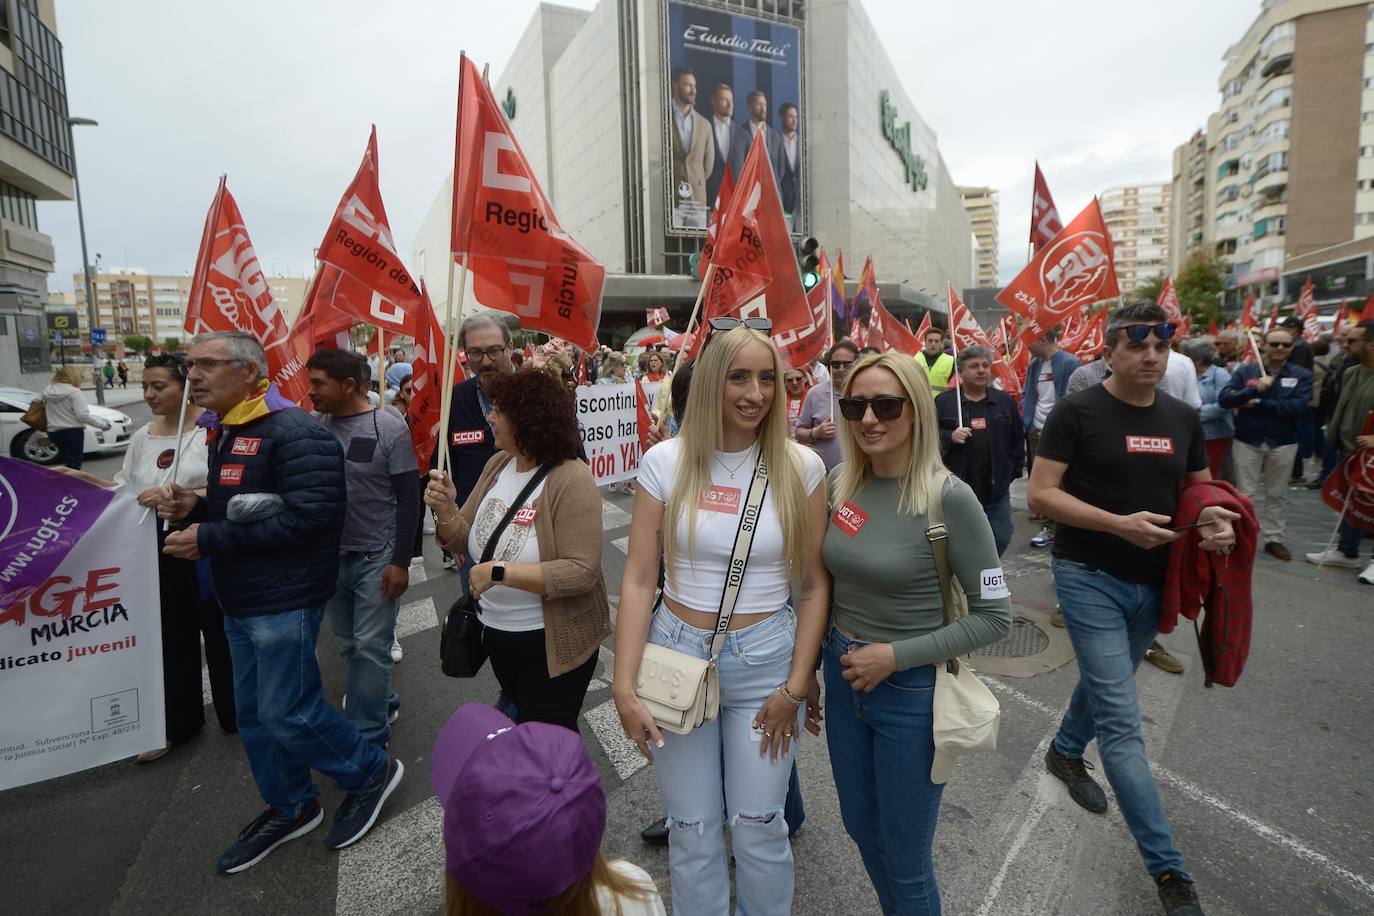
(938, 364)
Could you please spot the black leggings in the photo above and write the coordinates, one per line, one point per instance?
(185, 616)
(522, 668)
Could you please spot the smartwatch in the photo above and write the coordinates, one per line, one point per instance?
(498, 572)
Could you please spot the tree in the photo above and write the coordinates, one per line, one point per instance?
(171, 344)
(1197, 285)
(1150, 289)
(138, 343)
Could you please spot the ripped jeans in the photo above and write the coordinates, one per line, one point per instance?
(723, 755)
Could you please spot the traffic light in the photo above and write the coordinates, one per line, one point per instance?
(809, 262)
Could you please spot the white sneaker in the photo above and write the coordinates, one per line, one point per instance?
(1333, 557)
(1367, 577)
(396, 653)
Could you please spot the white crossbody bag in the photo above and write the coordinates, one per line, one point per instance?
(682, 691)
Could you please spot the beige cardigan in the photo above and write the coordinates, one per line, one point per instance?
(577, 616)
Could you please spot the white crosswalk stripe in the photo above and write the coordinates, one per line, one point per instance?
(612, 516)
(416, 617)
(398, 867)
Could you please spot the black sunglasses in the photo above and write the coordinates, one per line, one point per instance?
(886, 407)
(1165, 330)
(729, 324)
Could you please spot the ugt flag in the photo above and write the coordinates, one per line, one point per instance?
(80, 626)
(521, 259)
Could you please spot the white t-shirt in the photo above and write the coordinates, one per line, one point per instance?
(1044, 394)
(148, 461)
(503, 607)
(1180, 380)
(696, 581)
(651, 904)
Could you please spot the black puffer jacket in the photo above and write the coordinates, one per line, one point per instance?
(289, 560)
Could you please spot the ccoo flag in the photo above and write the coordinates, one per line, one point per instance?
(521, 259)
(427, 367)
(230, 293)
(1306, 311)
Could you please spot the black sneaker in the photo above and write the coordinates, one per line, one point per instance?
(656, 834)
(1177, 895)
(268, 831)
(1074, 772)
(359, 810)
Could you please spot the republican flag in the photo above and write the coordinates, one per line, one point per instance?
(858, 305)
(727, 191)
(1168, 298)
(1247, 314)
(1045, 222)
(359, 243)
(230, 293)
(839, 282)
(1306, 310)
(1072, 271)
(521, 260)
(427, 372)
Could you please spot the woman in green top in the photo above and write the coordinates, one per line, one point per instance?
(888, 630)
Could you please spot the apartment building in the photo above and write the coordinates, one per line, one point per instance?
(981, 204)
(1137, 216)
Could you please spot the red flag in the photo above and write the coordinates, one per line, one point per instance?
(426, 382)
(1247, 314)
(887, 333)
(1368, 312)
(1351, 486)
(581, 375)
(322, 321)
(1273, 318)
(1045, 222)
(1090, 337)
(1168, 297)
(1306, 310)
(964, 328)
(1212, 328)
(858, 333)
(359, 242)
(521, 259)
(923, 328)
(756, 270)
(1072, 271)
(1185, 327)
(655, 318)
(230, 293)
(727, 191)
(643, 420)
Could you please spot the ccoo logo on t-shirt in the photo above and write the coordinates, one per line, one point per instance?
(1150, 445)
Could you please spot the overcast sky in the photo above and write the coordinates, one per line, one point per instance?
(280, 95)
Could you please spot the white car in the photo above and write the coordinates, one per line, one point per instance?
(19, 441)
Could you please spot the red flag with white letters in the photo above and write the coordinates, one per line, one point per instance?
(727, 191)
(1168, 298)
(1247, 314)
(1306, 311)
(1273, 318)
(427, 367)
(1089, 337)
(887, 333)
(230, 293)
(1073, 270)
(1045, 222)
(521, 259)
(965, 330)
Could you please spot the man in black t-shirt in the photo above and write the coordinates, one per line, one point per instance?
(1111, 461)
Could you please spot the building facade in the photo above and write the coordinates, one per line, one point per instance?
(1287, 183)
(981, 204)
(598, 102)
(1137, 216)
(35, 164)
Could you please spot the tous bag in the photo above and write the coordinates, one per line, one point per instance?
(682, 691)
(461, 652)
(36, 416)
(965, 712)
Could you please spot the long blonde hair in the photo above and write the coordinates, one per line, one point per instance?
(924, 470)
(702, 435)
(578, 900)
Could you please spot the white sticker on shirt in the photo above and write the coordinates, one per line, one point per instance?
(1288, 382)
(993, 583)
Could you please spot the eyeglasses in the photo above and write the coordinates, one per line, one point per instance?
(208, 364)
(1282, 344)
(885, 407)
(1165, 330)
(476, 354)
(841, 363)
(729, 324)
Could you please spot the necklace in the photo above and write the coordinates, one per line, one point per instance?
(732, 471)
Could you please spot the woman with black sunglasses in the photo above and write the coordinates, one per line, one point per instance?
(888, 631)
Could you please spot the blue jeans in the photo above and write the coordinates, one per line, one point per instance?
(999, 517)
(1111, 624)
(364, 626)
(71, 445)
(881, 749)
(692, 769)
(1348, 541)
(287, 727)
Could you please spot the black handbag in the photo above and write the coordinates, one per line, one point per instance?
(461, 651)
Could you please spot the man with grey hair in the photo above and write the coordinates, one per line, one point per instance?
(270, 525)
(988, 449)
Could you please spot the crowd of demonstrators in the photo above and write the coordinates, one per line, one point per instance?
(1110, 559)
(1047, 381)
(383, 510)
(693, 491)
(982, 439)
(816, 424)
(1345, 432)
(938, 364)
(1269, 401)
(68, 416)
(188, 610)
(614, 370)
(797, 383)
(1218, 425)
(888, 630)
(542, 594)
(270, 523)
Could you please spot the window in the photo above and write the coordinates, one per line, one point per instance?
(31, 335)
(1232, 88)
(1366, 151)
(1275, 131)
(1365, 184)
(1228, 194)
(1278, 98)
(1362, 219)
(1284, 31)
(1369, 80)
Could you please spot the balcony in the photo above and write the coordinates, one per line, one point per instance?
(1280, 60)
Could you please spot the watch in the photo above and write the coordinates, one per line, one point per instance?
(498, 572)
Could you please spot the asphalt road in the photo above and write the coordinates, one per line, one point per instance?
(1267, 784)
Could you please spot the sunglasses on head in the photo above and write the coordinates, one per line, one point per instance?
(1165, 330)
(729, 324)
(886, 407)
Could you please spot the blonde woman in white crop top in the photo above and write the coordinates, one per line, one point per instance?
(687, 510)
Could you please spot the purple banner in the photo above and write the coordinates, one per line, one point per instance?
(43, 514)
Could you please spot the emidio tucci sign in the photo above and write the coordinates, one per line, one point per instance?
(900, 139)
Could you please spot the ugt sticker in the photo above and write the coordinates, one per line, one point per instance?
(246, 446)
(1150, 445)
(850, 518)
(977, 422)
(720, 499)
(467, 437)
(992, 583)
(231, 475)
(525, 516)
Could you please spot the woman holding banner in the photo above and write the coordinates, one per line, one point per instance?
(697, 489)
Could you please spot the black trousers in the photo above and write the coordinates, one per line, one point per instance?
(522, 668)
(185, 616)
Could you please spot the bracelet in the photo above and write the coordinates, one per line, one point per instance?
(445, 521)
(796, 701)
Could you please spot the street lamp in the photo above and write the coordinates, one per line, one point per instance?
(85, 264)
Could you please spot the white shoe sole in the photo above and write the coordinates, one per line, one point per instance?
(296, 834)
(1343, 562)
(381, 803)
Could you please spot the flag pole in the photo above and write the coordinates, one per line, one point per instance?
(1335, 531)
(1259, 358)
(830, 317)
(958, 393)
(176, 454)
(450, 355)
(381, 362)
(701, 293)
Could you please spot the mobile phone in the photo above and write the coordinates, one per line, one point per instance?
(1190, 527)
